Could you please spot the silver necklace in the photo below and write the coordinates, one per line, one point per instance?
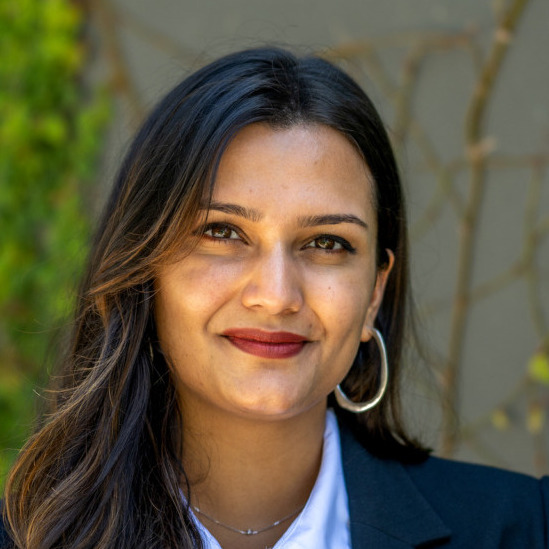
(249, 531)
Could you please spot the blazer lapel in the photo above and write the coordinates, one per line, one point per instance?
(387, 510)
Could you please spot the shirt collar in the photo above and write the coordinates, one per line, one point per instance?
(324, 521)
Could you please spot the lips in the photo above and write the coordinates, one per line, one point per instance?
(275, 345)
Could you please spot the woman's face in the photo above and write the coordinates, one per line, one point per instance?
(264, 317)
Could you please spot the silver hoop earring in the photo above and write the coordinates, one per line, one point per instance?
(359, 407)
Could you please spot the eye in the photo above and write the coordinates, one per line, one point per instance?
(326, 243)
(221, 232)
(330, 243)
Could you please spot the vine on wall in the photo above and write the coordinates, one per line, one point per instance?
(477, 163)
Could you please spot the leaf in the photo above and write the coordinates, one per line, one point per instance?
(535, 420)
(500, 419)
(538, 368)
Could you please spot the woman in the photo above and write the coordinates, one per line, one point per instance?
(251, 264)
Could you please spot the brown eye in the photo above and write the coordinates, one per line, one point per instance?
(326, 243)
(221, 232)
(330, 243)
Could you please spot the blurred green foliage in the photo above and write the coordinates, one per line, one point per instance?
(51, 125)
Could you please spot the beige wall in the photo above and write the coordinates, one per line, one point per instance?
(421, 61)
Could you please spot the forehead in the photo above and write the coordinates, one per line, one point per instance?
(310, 163)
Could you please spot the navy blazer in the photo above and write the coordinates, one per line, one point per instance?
(438, 503)
(441, 503)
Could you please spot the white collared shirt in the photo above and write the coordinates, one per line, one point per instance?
(324, 521)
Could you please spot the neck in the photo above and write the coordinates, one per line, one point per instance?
(249, 473)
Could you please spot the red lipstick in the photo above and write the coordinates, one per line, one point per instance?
(266, 344)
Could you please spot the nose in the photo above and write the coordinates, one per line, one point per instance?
(274, 284)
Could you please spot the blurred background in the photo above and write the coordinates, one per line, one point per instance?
(464, 90)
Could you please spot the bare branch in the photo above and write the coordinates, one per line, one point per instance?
(468, 226)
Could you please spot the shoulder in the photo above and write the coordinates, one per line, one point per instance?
(495, 499)
(466, 479)
(442, 502)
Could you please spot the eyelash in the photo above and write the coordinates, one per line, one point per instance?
(345, 245)
(213, 226)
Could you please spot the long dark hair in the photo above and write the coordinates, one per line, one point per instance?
(102, 470)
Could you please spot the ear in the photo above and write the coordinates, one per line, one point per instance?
(377, 296)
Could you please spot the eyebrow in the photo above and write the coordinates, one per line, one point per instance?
(331, 219)
(306, 221)
(234, 209)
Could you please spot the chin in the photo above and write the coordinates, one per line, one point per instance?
(272, 407)
(267, 410)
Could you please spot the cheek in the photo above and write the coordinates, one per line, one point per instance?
(347, 292)
(341, 304)
(195, 290)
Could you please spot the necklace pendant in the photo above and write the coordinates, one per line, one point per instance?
(249, 531)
